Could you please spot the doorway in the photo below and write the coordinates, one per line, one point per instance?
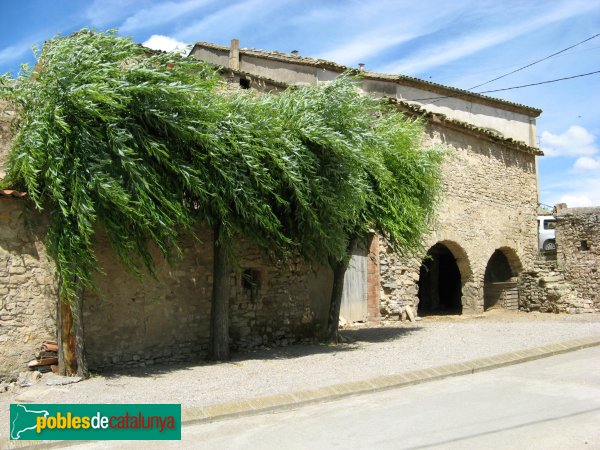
(440, 286)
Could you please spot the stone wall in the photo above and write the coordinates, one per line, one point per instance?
(545, 289)
(27, 288)
(130, 321)
(6, 115)
(488, 203)
(167, 318)
(578, 250)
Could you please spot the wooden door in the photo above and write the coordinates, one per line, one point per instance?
(354, 297)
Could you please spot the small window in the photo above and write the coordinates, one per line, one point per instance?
(251, 280)
(244, 83)
(584, 246)
(549, 224)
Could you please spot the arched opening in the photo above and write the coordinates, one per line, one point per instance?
(499, 282)
(440, 285)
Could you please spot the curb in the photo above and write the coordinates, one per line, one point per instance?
(282, 402)
(293, 400)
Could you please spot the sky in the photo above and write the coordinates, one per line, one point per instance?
(461, 43)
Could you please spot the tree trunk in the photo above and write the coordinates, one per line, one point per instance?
(67, 363)
(81, 360)
(339, 271)
(219, 311)
(71, 344)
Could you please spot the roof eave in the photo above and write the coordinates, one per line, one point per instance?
(441, 89)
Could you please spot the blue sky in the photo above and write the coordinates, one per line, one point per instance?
(459, 43)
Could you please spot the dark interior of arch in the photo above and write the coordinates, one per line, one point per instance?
(497, 271)
(440, 287)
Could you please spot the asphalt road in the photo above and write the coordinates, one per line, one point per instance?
(552, 403)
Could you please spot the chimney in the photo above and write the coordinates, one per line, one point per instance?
(234, 55)
(361, 67)
(295, 52)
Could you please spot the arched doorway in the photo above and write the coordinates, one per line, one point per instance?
(499, 282)
(440, 284)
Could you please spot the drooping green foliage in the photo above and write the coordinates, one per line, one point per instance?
(145, 145)
(101, 139)
(371, 170)
(404, 178)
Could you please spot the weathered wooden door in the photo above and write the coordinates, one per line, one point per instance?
(354, 297)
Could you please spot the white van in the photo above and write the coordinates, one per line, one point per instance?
(547, 233)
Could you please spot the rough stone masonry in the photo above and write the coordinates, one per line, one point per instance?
(578, 251)
(484, 233)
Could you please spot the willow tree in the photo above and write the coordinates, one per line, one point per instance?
(146, 145)
(377, 176)
(103, 137)
(403, 180)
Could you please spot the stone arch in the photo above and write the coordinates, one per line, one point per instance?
(443, 273)
(500, 279)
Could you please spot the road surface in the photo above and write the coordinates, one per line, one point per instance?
(552, 403)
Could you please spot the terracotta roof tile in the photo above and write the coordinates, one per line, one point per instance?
(9, 193)
(444, 120)
(441, 89)
(415, 110)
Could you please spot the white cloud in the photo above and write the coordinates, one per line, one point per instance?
(364, 46)
(106, 12)
(13, 52)
(166, 44)
(574, 200)
(160, 14)
(374, 26)
(576, 141)
(574, 191)
(586, 163)
(230, 20)
(439, 54)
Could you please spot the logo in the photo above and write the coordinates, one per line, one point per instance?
(95, 422)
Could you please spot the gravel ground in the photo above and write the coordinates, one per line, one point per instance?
(389, 349)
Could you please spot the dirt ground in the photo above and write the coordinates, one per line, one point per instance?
(391, 348)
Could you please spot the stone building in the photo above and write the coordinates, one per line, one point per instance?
(483, 239)
(485, 233)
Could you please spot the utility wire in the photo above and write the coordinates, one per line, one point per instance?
(510, 88)
(535, 62)
(541, 82)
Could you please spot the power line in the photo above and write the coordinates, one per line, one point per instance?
(541, 82)
(509, 88)
(535, 62)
